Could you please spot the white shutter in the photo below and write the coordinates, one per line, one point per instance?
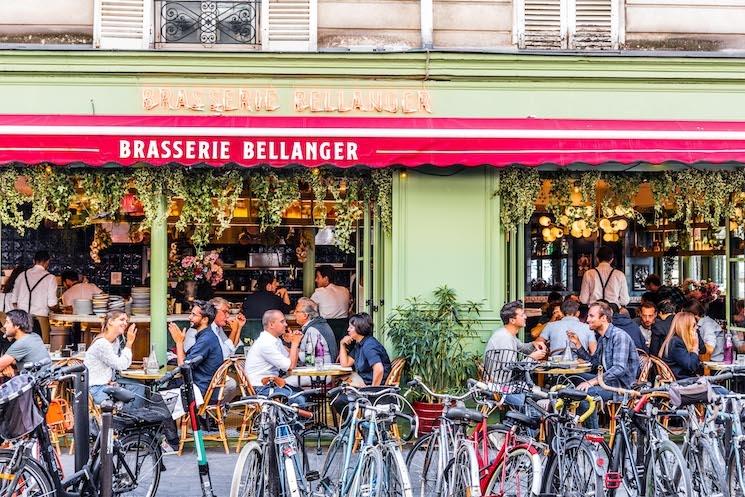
(122, 24)
(290, 25)
(594, 26)
(541, 24)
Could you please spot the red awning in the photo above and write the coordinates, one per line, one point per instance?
(349, 141)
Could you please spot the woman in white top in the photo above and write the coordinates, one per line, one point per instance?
(104, 358)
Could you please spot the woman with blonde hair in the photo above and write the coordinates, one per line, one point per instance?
(682, 346)
(105, 357)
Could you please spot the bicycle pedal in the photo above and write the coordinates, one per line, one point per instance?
(312, 476)
(613, 480)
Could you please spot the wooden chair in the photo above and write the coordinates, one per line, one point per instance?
(246, 432)
(214, 406)
(397, 371)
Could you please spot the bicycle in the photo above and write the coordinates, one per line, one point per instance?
(109, 471)
(277, 448)
(379, 469)
(653, 466)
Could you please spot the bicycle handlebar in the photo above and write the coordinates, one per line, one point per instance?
(258, 400)
(194, 361)
(417, 382)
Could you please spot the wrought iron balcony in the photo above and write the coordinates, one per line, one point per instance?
(208, 23)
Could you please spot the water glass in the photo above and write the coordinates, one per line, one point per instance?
(81, 348)
(741, 359)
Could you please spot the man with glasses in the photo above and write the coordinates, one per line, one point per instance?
(221, 322)
(318, 343)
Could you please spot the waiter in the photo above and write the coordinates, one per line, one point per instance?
(604, 282)
(35, 292)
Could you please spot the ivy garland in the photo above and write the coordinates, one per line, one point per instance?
(275, 195)
(104, 191)
(621, 192)
(151, 185)
(317, 181)
(382, 180)
(704, 194)
(13, 200)
(662, 187)
(518, 191)
(348, 211)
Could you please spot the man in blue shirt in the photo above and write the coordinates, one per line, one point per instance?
(616, 353)
(207, 344)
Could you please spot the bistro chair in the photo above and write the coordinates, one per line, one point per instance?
(394, 380)
(214, 407)
(246, 431)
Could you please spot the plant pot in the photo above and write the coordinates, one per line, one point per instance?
(428, 414)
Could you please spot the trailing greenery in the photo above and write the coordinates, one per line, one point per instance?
(704, 194)
(348, 211)
(517, 191)
(317, 181)
(103, 191)
(11, 213)
(275, 195)
(151, 185)
(383, 182)
(619, 197)
(431, 334)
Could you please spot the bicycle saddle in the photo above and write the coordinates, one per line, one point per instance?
(522, 419)
(119, 394)
(463, 414)
(572, 394)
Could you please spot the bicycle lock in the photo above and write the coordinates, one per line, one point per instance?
(81, 427)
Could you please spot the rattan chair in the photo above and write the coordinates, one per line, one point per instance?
(397, 371)
(246, 431)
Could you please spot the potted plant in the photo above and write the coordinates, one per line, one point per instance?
(431, 336)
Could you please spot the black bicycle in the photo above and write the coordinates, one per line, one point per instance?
(31, 466)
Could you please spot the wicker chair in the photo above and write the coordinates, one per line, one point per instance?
(214, 406)
(246, 432)
(397, 370)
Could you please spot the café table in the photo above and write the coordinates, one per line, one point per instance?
(318, 379)
(559, 369)
(735, 384)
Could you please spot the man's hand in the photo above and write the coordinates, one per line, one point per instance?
(584, 386)
(347, 340)
(281, 292)
(574, 339)
(237, 322)
(177, 333)
(538, 355)
(131, 335)
(295, 338)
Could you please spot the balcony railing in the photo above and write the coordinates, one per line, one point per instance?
(208, 23)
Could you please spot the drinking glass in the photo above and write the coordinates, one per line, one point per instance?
(81, 348)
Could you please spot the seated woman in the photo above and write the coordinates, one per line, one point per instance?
(682, 346)
(104, 357)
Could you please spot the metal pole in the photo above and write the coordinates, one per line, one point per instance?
(81, 428)
(159, 280)
(106, 479)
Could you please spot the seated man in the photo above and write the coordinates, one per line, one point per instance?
(616, 353)
(318, 343)
(26, 347)
(622, 319)
(268, 355)
(555, 333)
(647, 315)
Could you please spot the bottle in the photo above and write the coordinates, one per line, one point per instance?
(309, 357)
(568, 355)
(152, 362)
(320, 353)
(728, 349)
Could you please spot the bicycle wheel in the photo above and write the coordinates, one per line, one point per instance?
(422, 462)
(30, 480)
(573, 473)
(707, 469)
(248, 474)
(736, 473)
(137, 466)
(518, 475)
(396, 481)
(368, 476)
(667, 475)
(334, 462)
(464, 473)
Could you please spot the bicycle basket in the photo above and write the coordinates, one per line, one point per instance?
(19, 414)
(507, 371)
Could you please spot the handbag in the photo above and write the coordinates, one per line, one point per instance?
(698, 392)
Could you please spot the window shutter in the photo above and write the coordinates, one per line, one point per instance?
(541, 24)
(290, 25)
(122, 24)
(595, 25)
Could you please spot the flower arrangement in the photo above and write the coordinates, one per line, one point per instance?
(704, 291)
(207, 266)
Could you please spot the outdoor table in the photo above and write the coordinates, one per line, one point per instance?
(318, 377)
(547, 369)
(734, 384)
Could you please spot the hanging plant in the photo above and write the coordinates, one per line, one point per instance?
(662, 186)
(572, 202)
(317, 181)
(382, 180)
(103, 191)
(101, 241)
(705, 195)
(151, 185)
(518, 191)
(348, 211)
(275, 195)
(12, 200)
(231, 187)
(620, 195)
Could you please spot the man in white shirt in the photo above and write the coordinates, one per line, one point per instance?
(333, 301)
(268, 355)
(35, 292)
(76, 289)
(604, 282)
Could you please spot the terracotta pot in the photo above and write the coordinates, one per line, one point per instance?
(429, 415)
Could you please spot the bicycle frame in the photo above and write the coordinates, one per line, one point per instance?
(734, 436)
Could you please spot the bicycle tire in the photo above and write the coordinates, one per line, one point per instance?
(580, 478)
(464, 472)
(333, 463)
(708, 474)
(421, 462)
(396, 479)
(35, 480)
(736, 484)
(248, 475)
(519, 465)
(368, 477)
(142, 447)
(672, 470)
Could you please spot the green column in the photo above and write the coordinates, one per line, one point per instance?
(309, 266)
(159, 280)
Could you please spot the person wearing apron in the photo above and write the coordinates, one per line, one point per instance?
(35, 292)
(612, 288)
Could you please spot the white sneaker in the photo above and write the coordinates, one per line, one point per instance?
(166, 449)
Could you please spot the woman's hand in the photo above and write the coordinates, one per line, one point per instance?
(131, 335)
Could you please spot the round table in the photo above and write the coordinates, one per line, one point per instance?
(318, 380)
(548, 369)
(720, 366)
(141, 375)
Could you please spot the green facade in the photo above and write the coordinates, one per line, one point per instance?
(446, 222)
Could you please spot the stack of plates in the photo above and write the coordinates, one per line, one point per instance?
(116, 303)
(100, 304)
(82, 306)
(140, 300)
